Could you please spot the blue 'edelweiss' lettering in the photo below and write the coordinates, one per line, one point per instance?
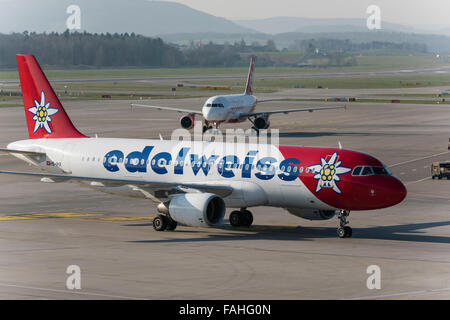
(137, 161)
(287, 166)
(203, 163)
(268, 170)
(111, 160)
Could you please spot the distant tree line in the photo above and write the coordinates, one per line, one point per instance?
(328, 45)
(120, 50)
(84, 49)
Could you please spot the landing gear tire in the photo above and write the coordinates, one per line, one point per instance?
(171, 225)
(235, 219)
(247, 218)
(344, 231)
(242, 218)
(160, 223)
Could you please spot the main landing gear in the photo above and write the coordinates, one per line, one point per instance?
(207, 126)
(254, 126)
(243, 218)
(162, 222)
(344, 231)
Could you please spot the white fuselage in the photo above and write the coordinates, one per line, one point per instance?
(239, 166)
(227, 108)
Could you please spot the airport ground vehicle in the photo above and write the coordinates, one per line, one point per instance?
(193, 182)
(440, 170)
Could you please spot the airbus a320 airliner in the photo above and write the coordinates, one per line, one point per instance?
(193, 182)
(233, 108)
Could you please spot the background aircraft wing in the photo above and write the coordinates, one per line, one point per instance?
(270, 100)
(286, 111)
(166, 108)
(157, 189)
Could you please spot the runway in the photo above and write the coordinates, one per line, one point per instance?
(293, 75)
(44, 228)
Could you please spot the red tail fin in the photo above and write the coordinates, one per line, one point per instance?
(45, 115)
(249, 88)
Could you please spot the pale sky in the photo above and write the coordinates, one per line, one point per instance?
(407, 12)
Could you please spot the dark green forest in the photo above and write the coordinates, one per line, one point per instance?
(118, 50)
(84, 49)
(78, 50)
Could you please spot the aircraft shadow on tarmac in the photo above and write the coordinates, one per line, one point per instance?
(406, 232)
(329, 134)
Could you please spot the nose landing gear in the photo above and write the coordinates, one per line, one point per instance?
(206, 126)
(344, 231)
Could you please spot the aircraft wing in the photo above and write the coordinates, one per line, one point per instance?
(166, 108)
(26, 153)
(157, 189)
(270, 100)
(251, 114)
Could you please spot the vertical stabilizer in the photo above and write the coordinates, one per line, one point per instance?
(249, 87)
(46, 117)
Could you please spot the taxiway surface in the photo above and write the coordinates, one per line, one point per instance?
(44, 228)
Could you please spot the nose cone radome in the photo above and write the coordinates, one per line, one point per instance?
(390, 192)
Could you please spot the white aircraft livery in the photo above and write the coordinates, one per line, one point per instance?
(193, 182)
(232, 108)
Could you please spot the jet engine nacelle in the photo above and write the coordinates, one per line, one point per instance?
(197, 209)
(187, 121)
(312, 214)
(262, 122)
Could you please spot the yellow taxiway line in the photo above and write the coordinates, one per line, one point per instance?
(68, 215)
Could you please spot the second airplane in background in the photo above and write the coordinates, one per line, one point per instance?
(232, 108)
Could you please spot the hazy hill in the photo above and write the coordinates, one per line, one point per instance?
(144, 17)
(278, 25)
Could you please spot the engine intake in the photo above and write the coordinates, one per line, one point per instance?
(262, 122)
(197, 209)
(188, 121)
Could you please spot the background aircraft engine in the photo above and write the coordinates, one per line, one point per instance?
(312, 214)
(197, 209)
(187, 122)
(262, 122)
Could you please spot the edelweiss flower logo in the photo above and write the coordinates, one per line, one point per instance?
(42, 114)
(327, 173)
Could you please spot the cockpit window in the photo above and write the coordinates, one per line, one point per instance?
(215, 105)
(357, 171)
(368, 171)
(380, 170)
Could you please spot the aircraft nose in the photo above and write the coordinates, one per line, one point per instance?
(391, 192)
(208, 114)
